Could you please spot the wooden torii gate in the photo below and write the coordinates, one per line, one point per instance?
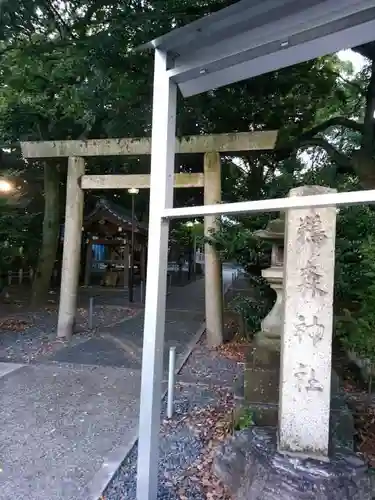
(77, 181)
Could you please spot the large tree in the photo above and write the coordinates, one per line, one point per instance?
(68, 72)
(345, 126)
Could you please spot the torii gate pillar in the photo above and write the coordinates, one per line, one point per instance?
(72, 248)
(212, 265)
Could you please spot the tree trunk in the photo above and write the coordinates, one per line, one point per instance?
(48, 249)
(364, 167)
(369, 391)
(363, 159)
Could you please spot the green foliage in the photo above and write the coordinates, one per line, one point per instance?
(254, 308)
(357, 326)
(354, 226)
(15, 224)
(68, 72)
(245, 420)
(235, 242)
(184, 235)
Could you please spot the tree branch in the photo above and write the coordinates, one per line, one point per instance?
(335, 121)
(352, 83)
(368, 128)
(340, 158)
(308, 139)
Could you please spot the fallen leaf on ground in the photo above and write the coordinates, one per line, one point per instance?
(364, 418)
(14, 325)
(235, 351)
(211, 425)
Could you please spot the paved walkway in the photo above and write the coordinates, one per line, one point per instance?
(67, 421)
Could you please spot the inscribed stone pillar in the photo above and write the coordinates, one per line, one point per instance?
(212, 267)
(72, 248)
(305, 377)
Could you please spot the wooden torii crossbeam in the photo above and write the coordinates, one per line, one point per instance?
(77, 181)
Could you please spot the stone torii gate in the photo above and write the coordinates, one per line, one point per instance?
(77, 182)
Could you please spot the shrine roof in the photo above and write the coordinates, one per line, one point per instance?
(116, 212)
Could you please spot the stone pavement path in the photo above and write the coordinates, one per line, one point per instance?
(122, 345)
(57, 424)
(69, 419)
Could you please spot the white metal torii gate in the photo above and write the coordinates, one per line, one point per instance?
(249, 38)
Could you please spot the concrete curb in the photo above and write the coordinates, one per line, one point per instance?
(8, 368)
(111, 464)
(95, 488)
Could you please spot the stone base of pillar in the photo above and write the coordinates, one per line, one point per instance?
(251, 467)
(271, 343)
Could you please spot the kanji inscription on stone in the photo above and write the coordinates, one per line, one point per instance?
(314, 330)
(300, 374)
(311, 230)
(306, 379)
(313, 383)
(311, 280)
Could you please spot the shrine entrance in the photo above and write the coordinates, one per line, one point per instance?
(211, 146)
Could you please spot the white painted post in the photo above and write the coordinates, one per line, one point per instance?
(9, 277)
(31, 274)
(72, 248)
(171, 377)
(305, 378)
(212, 266)
(20, 276)
(161, 197)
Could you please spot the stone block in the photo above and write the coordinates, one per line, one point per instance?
(261, 357)
(261, 386)
(252, 468)
(239, 388)
(305, 390)
(259, 415)
(265, 416)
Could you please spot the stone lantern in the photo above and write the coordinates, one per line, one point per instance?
(271, 326)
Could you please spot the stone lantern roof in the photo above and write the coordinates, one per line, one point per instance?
(274, 231)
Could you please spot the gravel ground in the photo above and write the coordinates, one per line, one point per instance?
(186, 440)
(178, 450)
(26, 337)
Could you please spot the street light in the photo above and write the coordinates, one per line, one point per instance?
(133, 192)
(5, 186)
